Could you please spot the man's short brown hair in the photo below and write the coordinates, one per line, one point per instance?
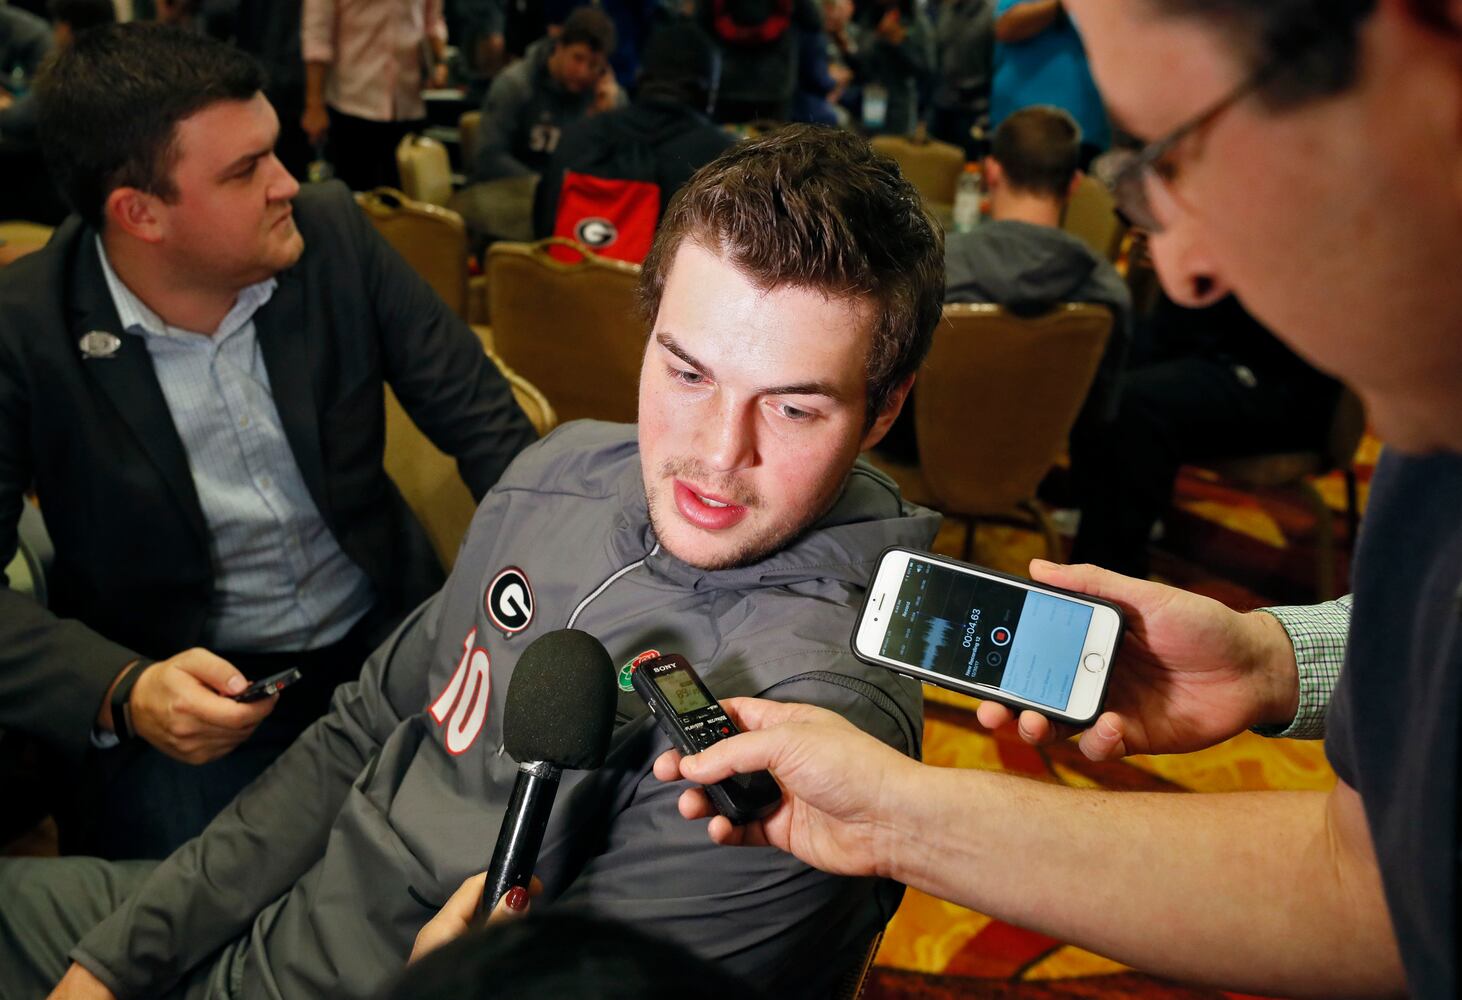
(817, 208)
(588, 26)
(1039, 149)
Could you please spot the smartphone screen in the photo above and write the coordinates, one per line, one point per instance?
(981, 633)
(1023, 642)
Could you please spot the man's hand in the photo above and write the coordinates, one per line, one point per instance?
(1190, 673)
(80, 984)
(181, 706)
(315, 122)
(455, 918)
(488, 55)
(837, 783)
(890, 28)
(606, 93)
(841, 77)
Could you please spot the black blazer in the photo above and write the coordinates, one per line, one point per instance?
(133, 574)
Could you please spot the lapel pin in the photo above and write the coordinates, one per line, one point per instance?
(99, 344)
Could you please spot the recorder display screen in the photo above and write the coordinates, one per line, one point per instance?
(681, 690)
(987, 631)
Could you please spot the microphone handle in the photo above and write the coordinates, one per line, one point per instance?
(521, 834)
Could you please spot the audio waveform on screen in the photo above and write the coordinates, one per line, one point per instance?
(936, 633)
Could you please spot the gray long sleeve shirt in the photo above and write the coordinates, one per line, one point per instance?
(316, 880)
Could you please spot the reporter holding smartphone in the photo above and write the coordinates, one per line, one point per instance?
(1305, 156)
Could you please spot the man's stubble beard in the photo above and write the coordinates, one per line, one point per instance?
(772, 539)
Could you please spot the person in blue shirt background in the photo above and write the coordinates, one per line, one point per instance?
(1039, 59)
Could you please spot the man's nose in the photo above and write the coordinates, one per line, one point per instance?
(1188, 272)
(730, 443)
(282, 185)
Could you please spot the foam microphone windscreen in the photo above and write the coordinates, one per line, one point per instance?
(560, 704)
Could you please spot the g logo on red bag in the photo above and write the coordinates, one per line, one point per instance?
(509, 601)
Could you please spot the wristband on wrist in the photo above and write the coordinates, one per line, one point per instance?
(122, 699)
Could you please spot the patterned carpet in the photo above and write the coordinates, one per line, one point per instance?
(1245, 550)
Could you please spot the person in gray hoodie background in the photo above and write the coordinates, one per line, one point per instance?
(734, 525)
(561, 79)
(1021, 259)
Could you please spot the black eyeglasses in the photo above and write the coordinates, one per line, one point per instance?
(1134, 168)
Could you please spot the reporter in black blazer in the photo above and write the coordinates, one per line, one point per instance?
(83, 420)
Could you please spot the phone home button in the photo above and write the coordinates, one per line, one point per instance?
(1093, 662)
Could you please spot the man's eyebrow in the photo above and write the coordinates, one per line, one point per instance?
(817, 387)
(242, 161)
(669, 343)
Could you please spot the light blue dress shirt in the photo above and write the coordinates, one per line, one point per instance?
(281, 581)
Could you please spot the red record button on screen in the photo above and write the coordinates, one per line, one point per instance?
(1000, 635)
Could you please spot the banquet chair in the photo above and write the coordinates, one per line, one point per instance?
(426, 169)
(1091, 216)
(993, 406)
(933, 167)
(1295, 473)
(467, 127)
(574, 329)
(34, 554)
(432, 239)
(428, 479)
(19, 231)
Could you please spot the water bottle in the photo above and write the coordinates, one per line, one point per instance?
(875, 106)
(967, 199)
(320, 168)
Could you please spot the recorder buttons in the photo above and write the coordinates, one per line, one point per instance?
(1093, 662)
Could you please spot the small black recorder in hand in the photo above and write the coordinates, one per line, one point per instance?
(694, 721)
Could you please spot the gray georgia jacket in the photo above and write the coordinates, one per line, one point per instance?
(315, 881)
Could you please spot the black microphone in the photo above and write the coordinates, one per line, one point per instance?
(559, 713)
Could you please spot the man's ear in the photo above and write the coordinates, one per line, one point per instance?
(1076, 177)
(1431, 31)
(993, 173)
(134, 212)
(889, 414)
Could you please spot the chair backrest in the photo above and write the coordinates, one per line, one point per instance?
(429, 480)
(573, 329)
(426, 169)
(996, 399)
(1347, 427)
(20, 231)
(1091, 216)
(433, 240)
(933, 167)
(34, 555)
(467, 127)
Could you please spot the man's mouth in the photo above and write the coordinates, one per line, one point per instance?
(706, 510)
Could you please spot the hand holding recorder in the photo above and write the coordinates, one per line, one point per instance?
(838, 825)
(1191, 672)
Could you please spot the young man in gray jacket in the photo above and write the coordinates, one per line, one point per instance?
(792, 292)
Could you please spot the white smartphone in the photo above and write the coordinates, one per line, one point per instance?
(989, 635)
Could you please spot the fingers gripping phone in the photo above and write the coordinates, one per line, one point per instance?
(989, 635)
(267, 686)
(694, 721)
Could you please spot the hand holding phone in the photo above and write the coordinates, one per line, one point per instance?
(695, 721)
(1192, 672)
(989, 635)
(268, 686)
